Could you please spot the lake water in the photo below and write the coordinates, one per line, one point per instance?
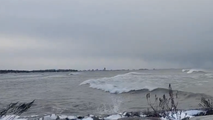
(103, 92)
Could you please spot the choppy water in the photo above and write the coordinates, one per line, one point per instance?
(102, 92)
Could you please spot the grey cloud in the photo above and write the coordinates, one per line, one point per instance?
(175, 32)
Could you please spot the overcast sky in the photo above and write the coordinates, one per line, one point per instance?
(86, 34)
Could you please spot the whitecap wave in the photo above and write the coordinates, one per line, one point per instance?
(189, 71)
(185, 70)
(209, 75)
(124, 82)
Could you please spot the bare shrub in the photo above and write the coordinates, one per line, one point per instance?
(163, 105)
(206, 103)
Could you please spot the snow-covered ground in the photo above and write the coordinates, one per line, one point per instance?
(171, 116)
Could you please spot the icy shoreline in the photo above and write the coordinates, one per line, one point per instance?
(180, 115)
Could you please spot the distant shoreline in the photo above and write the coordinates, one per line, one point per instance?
(37, 71)
(62, 70)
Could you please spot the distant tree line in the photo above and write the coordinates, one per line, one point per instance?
(37, 71)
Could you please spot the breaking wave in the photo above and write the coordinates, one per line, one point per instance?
(124, 82)
(189, 71)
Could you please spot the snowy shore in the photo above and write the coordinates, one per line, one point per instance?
(183, 115)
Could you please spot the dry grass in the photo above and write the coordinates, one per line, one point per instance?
(16, 108)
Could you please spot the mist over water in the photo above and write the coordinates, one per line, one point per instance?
(103, 92)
